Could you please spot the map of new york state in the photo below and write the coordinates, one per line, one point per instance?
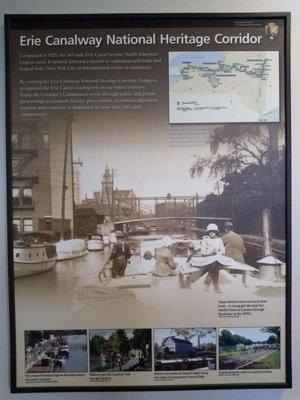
(220, 87)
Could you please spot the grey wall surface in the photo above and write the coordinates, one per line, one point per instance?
(151, 6)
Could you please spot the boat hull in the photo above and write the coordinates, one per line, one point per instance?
(94, 245)
(71, 254)
(30, 268)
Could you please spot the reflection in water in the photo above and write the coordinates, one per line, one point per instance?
(77, 360)
(73, 285)
(71, 296)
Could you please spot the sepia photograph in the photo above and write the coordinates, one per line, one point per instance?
(212, 225)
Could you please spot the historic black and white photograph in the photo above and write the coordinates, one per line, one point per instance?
(100, 225)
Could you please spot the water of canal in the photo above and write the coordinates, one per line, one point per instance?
(77, 360)
(71, 290)
(71, 285)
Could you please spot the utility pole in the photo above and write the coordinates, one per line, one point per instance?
(112, 196)
(266, 215)
(75, 181)
(273, 158)
(64, 186)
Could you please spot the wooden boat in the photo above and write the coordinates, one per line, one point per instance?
(32, 256)
(95, 243)
(42, 366)
(69, 249)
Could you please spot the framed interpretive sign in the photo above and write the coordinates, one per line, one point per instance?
(148, 175)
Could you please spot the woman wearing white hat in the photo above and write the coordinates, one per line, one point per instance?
(211, 248)
(165, 265)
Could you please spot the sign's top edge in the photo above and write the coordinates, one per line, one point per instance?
(153, 15)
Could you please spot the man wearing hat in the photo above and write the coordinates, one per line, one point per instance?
(119, 256)
(165, 265)
(234, 245)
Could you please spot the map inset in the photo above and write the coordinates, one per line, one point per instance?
(216, 87)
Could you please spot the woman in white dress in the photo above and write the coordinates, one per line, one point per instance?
(212, 251)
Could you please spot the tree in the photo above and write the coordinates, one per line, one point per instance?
(272, 339)
(141, 339)
(118, 340)
(167, 351)
(251, 165)
(33, 337)
(228, 339)
(158, 351)
(97, 345)
(225, 338)
(189, 333)
(275, 330)
(232, 149)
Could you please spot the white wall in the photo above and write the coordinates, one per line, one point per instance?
(159, 6)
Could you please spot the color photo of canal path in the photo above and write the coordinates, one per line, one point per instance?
(249, 348)
(120, 350)
(56, 351)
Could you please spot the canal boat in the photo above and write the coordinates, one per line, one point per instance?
(69, 249)
(95, 242)
(139, 230)
(42, 366)
(33, 255)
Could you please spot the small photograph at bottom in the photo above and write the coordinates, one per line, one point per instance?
(249, 348)
(59, 351)
(183, 349)
(115, 350)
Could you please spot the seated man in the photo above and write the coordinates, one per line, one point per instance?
(165, 265)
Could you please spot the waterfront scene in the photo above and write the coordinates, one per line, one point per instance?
(103, 239)
(74, 290)
(56, 351)
(184, 349)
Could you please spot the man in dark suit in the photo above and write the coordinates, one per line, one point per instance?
(119, 256)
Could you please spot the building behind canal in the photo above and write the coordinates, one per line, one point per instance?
(117, 203)
(37, 178)
(89, 216)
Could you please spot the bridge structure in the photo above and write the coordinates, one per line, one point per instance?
(157, 201)
(124, 224)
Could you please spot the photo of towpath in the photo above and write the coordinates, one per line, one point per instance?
(249, 348)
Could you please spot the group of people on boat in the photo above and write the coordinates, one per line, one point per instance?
(214, 252)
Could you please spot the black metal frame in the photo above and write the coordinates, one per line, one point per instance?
(57, 21)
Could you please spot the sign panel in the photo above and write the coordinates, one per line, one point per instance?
(148, 201)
